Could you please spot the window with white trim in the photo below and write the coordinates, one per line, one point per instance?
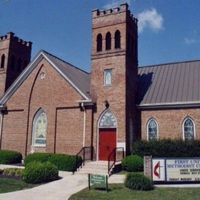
(39, 129)
(152, 130)
(107, 77)
(188, 128)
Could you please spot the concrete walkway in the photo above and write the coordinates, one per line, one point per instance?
(57, 190)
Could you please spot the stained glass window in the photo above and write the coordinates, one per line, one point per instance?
(108, 120)
(152, 130)
(40, 129)
(188, 129)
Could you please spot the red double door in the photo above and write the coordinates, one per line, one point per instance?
(107, 142)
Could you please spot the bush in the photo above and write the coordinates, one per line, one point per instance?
(36, 172)
(65, 162)
(40, 157)
(61, 161)
(18, 172)
(167, 148)
(10, 157)
(138, 182)
(132, 163)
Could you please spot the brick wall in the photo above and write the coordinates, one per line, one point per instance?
(170, 122)
(58, 99)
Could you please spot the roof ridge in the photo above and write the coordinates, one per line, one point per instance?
(170, 63)
(65, 62)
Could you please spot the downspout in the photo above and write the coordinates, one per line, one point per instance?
(1, 124)
(84, 122)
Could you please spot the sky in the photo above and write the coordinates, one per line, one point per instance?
(169, 30)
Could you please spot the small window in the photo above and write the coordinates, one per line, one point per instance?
(99, 42)
(39, 129)
(188, 129)
(117, 40)
(107, 77)
(3, 61)
(152, 129)
(108, 41)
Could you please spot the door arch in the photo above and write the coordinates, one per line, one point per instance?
(107, 137)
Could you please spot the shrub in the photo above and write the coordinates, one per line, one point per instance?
(138, 182)
(10, 157)
(132, 163)
(36, 172)
(61, 161)
(18, 172)
(65, 162)
(40, 157)
(167, 148)
(1, 171)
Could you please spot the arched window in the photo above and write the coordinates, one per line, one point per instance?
(99, 42)
(108, 120)
(188, 129)
(117, 39)
(152, 129)
(39, 129)
(3, 61)
(108, 41)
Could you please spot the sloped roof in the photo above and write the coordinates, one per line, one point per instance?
(79, 79)
(173, 83)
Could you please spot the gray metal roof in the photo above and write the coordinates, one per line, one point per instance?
(173, 83)
(79, 77)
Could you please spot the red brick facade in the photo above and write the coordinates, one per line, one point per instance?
(73, 117)
(58, 99)
(170, 122)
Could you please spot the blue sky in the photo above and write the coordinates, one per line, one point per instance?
(169, 29)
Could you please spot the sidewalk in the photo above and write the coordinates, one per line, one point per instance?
(57, 190)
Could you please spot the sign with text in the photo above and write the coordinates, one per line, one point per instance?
(176, 169)
(98, 180)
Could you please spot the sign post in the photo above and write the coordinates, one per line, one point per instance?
(98, 181)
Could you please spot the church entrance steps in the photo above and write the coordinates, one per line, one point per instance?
(94, 167)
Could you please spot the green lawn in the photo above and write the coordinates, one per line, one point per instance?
(119, 192)
(9, 185)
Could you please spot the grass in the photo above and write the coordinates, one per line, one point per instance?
(118, 192)
(9, 185)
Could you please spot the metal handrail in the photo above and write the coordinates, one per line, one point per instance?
(113, 158)
(82, 154)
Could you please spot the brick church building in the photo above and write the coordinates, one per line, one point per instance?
(49, 105)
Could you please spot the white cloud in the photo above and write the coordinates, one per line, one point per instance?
(150, 19)
(193, 39)
(190, 40)
(116, 3)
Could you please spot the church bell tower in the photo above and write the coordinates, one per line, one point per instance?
(15, 55)
(113, 78)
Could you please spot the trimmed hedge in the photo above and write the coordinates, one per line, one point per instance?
(37, 157)
(37, 172)
(61, 161)
(10, 157)
(138, 182)
(132, 163)
(167, 148)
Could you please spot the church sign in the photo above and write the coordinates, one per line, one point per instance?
(99, 181)
(180, 170)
